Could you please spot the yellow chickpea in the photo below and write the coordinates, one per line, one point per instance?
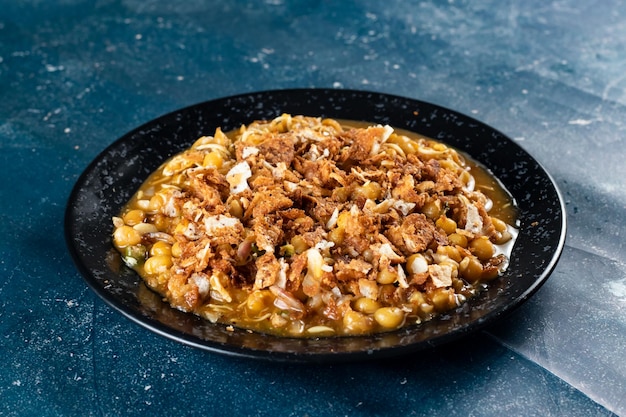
(446, 224)
(457, 239)
(161, 222)
(299, 244)
(156, 202)
(471, 269)
(417, 298)
(482, 248)
(213, 159)
(386, 276)
(342, 220)
(389, 317)
(432, 209)
(443, 299)
(177, 250)
(371, 190)
(134, 217)
(498, 224)
(357, 323)
(337, 235)
(426, 308)
(125, 236)
(235, 208)
(366, 305)
(160, 248)
(257, 301)
(451, 252)
(157, 264)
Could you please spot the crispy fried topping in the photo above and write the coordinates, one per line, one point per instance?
(302, 226)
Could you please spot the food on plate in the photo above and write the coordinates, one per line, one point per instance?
(310, 227)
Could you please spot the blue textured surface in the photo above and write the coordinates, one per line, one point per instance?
(75, 75)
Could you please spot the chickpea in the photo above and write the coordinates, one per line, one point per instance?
(416, 264)
(235, 208)
(371, 190)
(389, 317)
(342, 219)
(446, 224)
(160, 248)
(432, 209)
(443, 299)
(451, 252)
(498, 224)
(427, 308)
(336, 235)
(457, 239)
(134, 217)
(386, 276)
(125, 236)
(161, 222)
(482, 248)
(177, 250)
(341, 194)
(471, 269)
(503, 238)
(257, 301)
(357, 323)
(417, 298)
(157, 264)
(156, 202)
(366, 305)
(213, 159)
(299, 244)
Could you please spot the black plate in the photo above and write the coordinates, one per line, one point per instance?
(118, 171)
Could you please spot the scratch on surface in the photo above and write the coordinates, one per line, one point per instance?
(610, 85)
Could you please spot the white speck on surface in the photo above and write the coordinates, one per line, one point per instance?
(67, 130)
(580, 122)
(618, 289)
(138, 36)
(17, 383)
(337, 84)
(54, 68)
(180, 78)
(147, 387)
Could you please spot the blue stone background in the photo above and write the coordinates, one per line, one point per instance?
(76, 74)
